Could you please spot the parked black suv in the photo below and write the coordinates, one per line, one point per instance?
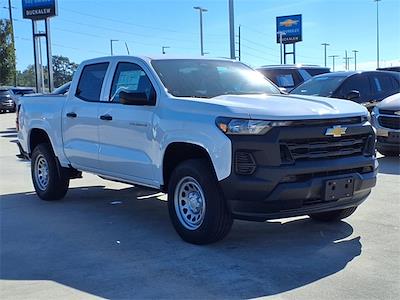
(367, 88)
(288, 77)
(7, 100)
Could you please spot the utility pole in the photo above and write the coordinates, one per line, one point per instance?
(239, 44)
(325, 45)
(111, 46)
(232, 29)
(355, 59)
(377, 33)
(281, 33)
(13, 42)
(163, 49)
(201, 10)
(333, 61)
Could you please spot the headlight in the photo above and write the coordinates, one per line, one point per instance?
(247, 127)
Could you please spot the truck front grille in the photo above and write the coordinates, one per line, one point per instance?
(389, 122)
(327, 147)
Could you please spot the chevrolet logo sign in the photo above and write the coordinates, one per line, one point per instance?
(336, 131)
(397, 113)
(288, 23)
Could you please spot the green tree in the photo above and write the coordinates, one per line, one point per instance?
(27, 77)
(7, 55)
(63, 70)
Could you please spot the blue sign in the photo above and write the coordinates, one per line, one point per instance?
(39, 9)
(290, 28)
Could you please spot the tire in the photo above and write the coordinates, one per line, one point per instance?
(206, 218)
(334, 215)
(389, 153)
(49, 179)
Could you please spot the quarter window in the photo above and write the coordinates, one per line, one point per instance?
(91, 81)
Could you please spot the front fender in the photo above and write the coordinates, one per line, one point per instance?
(217, 145)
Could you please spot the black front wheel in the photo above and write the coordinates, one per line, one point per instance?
(334, 215)
(49, 180)
(197, 208)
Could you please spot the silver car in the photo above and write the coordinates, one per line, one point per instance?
(386, 120)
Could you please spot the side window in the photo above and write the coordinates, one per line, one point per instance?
(383, 83)
(91, 81)
(357, 83)
(285, 80)
(130, 77)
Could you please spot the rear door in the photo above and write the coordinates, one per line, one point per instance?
(126, 135)
(80, 118)
(384, 85)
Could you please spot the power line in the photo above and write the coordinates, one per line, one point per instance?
(133, 24)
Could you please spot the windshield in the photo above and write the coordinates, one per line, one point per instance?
(210, 78)
(319, 86)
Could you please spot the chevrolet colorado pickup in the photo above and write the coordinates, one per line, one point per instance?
(214, 134)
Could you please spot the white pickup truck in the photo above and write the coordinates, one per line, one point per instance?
(214, 134)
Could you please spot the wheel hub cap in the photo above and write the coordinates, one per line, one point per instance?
(189, 202)
(41, 172)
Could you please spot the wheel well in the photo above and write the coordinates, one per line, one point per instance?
(179, 152)
(37, 137)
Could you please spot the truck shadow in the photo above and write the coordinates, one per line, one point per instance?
(107, 243)
(389, 165)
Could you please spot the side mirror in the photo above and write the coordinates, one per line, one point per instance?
(283, 90)
(353, 95)
(132, 98)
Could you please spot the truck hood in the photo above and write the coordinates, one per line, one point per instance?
(390, 103)
(288, 107)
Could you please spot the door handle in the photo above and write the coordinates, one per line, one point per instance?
(71, 115)
(106, 117)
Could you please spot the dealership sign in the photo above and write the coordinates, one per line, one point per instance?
(290, 29)
(39, 9)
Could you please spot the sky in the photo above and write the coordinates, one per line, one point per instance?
(83, 29)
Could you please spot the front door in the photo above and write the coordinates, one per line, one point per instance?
(126, 138)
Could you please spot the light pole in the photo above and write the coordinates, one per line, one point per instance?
(355, 59)
(333, 61)
(111, 45)
(281, 33)
(325, 45)
(377, 33)
(201, 10)
(163, 49)
(232, 30)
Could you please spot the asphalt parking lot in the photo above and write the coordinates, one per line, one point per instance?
(112, 240)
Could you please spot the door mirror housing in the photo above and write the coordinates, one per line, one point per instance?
(136, 98)
(353, 95)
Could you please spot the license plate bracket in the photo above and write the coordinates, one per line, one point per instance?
(339, 188)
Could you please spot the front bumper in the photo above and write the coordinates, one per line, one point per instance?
(277, 190)
(267, 196)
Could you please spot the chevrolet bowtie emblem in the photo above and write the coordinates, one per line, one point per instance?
(397, 113)
(336, 131)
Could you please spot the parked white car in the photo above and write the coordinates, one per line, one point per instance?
(386, 120)
(214, 134)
